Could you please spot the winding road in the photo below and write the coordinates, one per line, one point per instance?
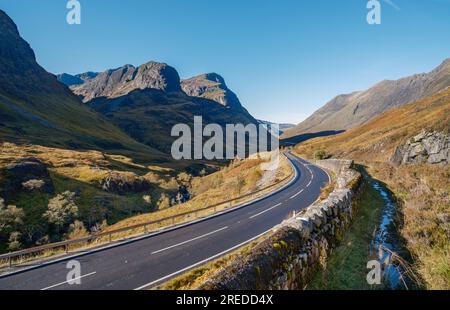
(150, 260)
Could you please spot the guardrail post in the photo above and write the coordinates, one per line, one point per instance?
(10, 262)
(145, 229)
(110, 238)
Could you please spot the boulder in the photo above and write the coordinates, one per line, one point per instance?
(28, 174)
(124, 183)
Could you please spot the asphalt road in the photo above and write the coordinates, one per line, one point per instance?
(148, 261)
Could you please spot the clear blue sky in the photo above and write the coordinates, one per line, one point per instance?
(284, 58)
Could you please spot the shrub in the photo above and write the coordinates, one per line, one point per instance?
(163, 202)
(10, 216)
(14, 241)
(320, 154)
(77, 230)
(62, 209)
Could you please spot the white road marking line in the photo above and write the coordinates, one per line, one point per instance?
(253, 216)
(297, 194)
(309, 184)
(67, 282)
(211, 257)
(190, 240)
(201, 262)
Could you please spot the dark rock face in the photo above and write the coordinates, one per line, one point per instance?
(27, 175)
(427, 147)
(121, 81)
(20, 74)
(124, 183)
(211, 86)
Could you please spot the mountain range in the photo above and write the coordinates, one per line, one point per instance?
(129, 110)
(36, 108)
(351, 110)
(148, 100)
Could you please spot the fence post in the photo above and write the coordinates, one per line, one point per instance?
(110, 238)
(145, 229)
(10, 262)
(67, 248)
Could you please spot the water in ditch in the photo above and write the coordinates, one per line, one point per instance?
(385, 244)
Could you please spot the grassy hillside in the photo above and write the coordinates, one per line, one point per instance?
(51, 120)
(149, 115)
(84, 173)
(377, 140)
(236, 179)
(422, 190)
(36, 108)
(351, 110)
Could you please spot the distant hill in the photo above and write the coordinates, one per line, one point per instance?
(147, 101)
(36, 108)
(377, 140)
(71, 80)
(351, 110)
(282, 127)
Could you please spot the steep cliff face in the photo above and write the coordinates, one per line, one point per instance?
(20, 74)
(121, 81)
(36, 108)
(351, 110)
(426, 147)
(211, 86)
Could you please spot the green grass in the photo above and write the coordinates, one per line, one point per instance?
(346, 267)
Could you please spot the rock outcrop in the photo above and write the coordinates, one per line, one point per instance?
(27, 175)
(124, 183)
(211, 86)
(291, 256)
(426, 147)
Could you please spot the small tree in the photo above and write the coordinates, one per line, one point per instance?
(163, 202)
(240, 183)
(320, 154)
(14, 241)
(10, 216)
(62, 210)
(77, 230)
(147, 199)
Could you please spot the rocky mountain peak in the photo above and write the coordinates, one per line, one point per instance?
(211, 86)
(121, 81)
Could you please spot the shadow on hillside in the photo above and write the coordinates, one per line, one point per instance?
(307, 136)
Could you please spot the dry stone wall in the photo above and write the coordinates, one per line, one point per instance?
(297, 248)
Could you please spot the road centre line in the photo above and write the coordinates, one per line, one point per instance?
(69, 281)
(267, 210)
(190, 240)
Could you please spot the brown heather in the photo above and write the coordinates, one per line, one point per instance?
(423, 191)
